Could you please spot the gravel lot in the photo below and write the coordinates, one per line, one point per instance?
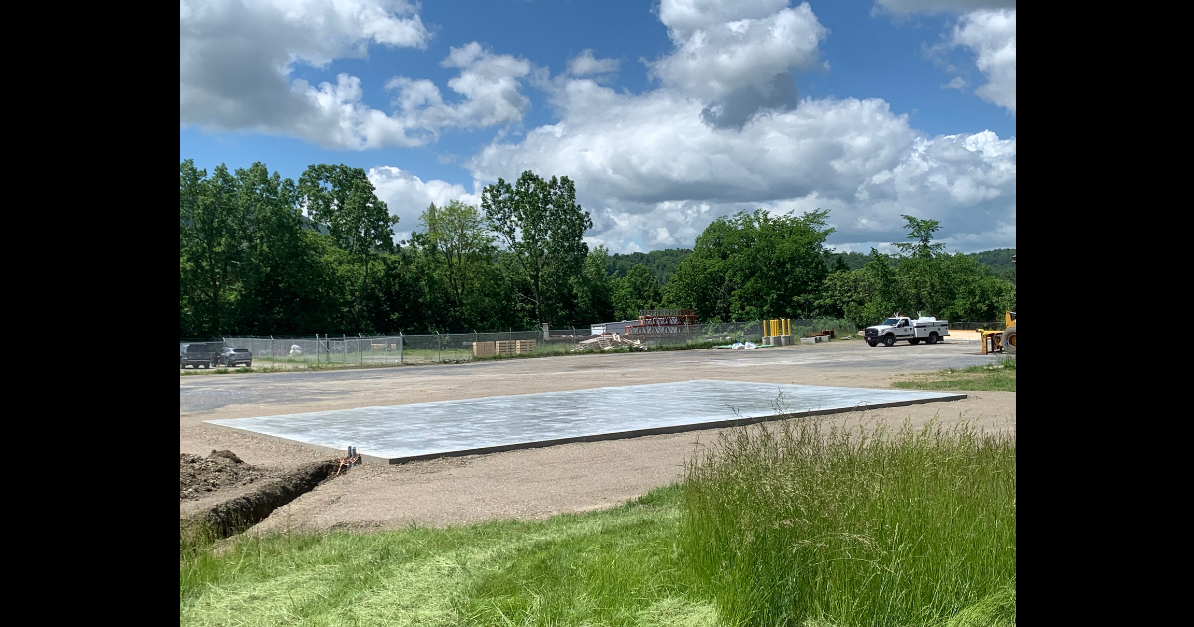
(537, 483)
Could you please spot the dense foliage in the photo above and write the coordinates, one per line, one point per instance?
(259, 254)
(661, 264)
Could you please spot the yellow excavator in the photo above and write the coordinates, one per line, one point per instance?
(1001, 341)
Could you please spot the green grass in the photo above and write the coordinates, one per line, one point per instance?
(1000, 377)
(797, 524)
(615, 567)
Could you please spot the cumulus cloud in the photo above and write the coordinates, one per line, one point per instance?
(585, 64)
(738, 57)
(236, 56)
(654, 172)
(957, 83)
(988, 29)
(488, 82)
(407, 196)
(991, 35)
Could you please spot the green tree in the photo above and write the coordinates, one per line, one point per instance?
(461, 251)
(754, 265)
(211, 233)
(539, 222)
(634, 292)
(594, 290)
(921, 234)
(661, 263)
(282, 274)
(343, 199)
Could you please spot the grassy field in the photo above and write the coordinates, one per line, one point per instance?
(798, 525)
(1000, 377)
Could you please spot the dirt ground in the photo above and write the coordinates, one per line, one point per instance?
(537, 483)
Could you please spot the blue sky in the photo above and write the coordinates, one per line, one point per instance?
(874, 128)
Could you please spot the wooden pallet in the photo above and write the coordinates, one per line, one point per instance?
(503, 347)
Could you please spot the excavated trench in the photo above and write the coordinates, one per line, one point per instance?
(233, 516)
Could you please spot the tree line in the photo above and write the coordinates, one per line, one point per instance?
(264, 255)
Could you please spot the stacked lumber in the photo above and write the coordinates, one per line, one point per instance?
(608, 341)
(503, 347)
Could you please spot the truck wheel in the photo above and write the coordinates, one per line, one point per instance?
(914, 341)
(889, 340)
(872, 343)
(932, 338)
(1009, 341)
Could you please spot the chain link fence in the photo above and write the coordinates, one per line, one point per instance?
(345, 350)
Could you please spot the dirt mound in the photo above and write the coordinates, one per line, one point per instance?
(226, 454)
(198, 475)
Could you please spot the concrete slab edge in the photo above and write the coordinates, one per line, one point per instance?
(618, 435)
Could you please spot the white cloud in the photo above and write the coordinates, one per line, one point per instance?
(654, 172)
(585, 64)
(407, 196)
(724, 47)
(991, 35)
(957, 83)
(489, 83)
(236, 56)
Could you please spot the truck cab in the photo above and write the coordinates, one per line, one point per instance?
(899, 328)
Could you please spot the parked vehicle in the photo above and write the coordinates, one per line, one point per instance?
(198, 355)
(234, 357)
(897, 328)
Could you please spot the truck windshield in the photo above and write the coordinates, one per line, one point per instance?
(890, 322)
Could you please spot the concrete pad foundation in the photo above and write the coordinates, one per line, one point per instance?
(399, 433)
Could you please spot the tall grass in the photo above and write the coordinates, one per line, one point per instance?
(806, 523)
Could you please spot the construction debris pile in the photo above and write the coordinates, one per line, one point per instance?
(609, 341)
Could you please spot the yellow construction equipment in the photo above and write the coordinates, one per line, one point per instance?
(1001, 341)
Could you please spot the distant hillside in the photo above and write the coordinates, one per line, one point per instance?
(998, 260)
(661, 263)
(853, 261)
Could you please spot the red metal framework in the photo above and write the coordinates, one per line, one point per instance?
(663, 322)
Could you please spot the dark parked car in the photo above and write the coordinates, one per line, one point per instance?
(234, 357)
(195, 355)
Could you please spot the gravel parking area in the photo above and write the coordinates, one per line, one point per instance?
(537, 482)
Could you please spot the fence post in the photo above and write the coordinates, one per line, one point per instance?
(344, 338)
(400, 342)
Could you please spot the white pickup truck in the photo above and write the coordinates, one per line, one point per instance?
(898, 328)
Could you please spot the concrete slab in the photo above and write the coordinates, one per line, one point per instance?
(400, 433)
